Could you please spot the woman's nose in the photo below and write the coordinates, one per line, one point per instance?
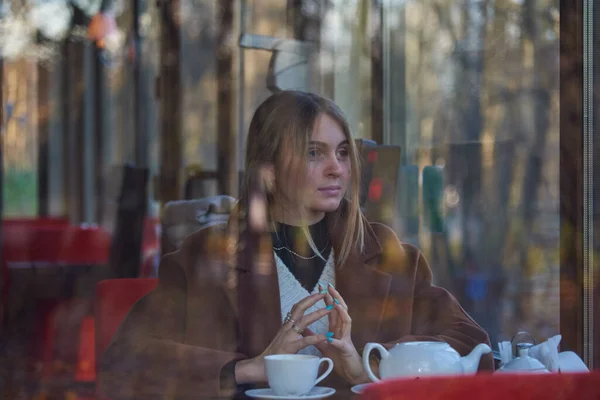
(334, 167)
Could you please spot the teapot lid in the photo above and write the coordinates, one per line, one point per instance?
(524, 363)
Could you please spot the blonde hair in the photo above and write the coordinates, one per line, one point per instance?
(286, 121)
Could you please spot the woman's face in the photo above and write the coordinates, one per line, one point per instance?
(328, 173)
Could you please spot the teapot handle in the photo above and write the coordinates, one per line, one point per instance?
(367, 352)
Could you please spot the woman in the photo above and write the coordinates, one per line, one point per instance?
(305, 273)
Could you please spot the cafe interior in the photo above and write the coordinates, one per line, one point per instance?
(123, 131)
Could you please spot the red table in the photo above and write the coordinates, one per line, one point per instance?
(50, 269)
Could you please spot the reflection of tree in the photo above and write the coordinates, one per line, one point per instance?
(543, 82)
(494, 102)
(468, 85)
(346, 37)
(19, 112)
(198, 77)
(19, 139)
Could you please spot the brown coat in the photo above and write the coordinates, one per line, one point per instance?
(209, 310)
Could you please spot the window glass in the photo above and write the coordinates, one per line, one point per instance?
(475, 108)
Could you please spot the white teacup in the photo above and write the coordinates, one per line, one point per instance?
(294, 374)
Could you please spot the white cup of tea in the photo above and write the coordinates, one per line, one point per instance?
(294, 374)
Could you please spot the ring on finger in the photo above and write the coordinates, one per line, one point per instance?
(297, 328)
(288, 318)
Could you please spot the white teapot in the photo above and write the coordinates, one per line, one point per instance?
(524, 362)
(415, 359)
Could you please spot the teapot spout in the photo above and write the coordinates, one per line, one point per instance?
(471, 362)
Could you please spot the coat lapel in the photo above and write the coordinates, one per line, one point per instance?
(364, 288)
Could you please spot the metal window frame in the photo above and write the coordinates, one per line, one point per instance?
(589, 50)
(577, 293)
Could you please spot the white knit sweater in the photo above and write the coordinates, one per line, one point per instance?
(291, 292)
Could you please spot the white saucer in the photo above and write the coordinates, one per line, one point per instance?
(358, 389)
(315, 393)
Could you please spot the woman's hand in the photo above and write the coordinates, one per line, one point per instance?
(346, 360)
(287, 340)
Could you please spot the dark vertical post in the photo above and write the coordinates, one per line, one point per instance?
(64, 90)
(141, 131)
(395, 86)
(44, 109)
(571, 181)
(377, 72)
(169, 88)
(99, 133)
(73, 117)
(226, 138)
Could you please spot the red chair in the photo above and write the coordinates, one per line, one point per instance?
(490, 387)
(114, 299)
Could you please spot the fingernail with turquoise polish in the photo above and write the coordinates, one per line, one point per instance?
(329, 307)
(329, 334)
(331, 285)
(330, 340)
(336, 301)
(324, 291)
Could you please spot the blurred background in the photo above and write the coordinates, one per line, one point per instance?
(481, 113)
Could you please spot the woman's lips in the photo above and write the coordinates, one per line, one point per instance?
(331, 190)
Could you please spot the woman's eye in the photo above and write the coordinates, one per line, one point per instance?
(313, 153)
(343, 153)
